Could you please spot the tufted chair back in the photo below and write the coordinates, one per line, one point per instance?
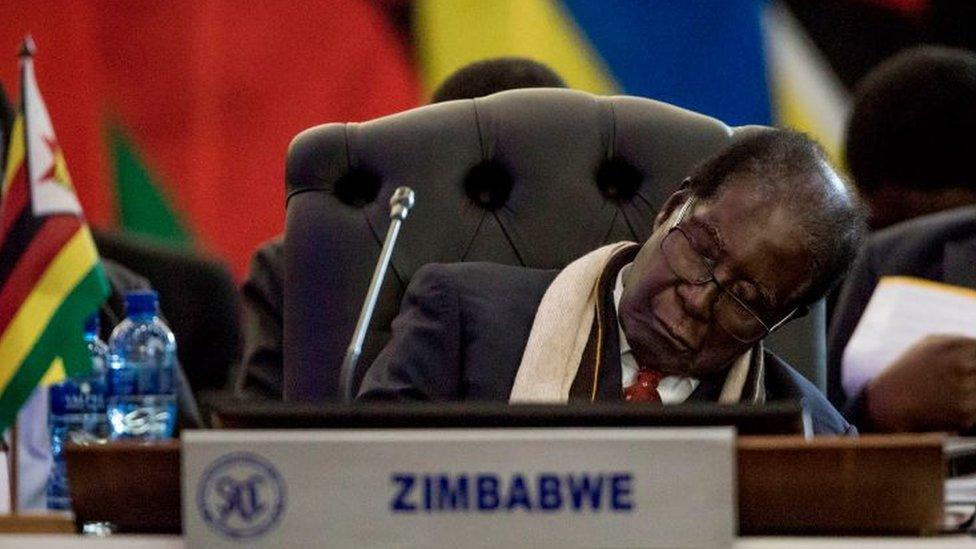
(525, 177)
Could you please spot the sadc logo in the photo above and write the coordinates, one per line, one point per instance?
(241, 496)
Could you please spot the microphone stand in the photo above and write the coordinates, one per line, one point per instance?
(400, 204)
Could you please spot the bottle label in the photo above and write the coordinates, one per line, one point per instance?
(141, 378)
(149, 417)
(78, 397)
(123, 381)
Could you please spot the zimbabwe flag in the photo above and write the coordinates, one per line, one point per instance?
(50, 276)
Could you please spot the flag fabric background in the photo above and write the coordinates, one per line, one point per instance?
(741, 61)
(50, 276)
(177, 115)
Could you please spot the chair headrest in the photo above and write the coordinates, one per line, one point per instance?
(542, 161)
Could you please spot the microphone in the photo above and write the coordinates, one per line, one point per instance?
(400, 204)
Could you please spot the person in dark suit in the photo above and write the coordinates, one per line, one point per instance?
(933, 385)
(263, 290)
(909, 134)
(754, 236)
(208, 330)
(907, 147)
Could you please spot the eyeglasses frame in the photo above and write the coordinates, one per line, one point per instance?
(685, 208)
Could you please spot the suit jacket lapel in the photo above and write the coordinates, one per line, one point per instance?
(609, 385)
(959, 263)
(599, 375)
(708, 389)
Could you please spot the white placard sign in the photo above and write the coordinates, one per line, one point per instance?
(460, 488)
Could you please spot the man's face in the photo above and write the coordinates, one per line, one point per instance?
(755, 250)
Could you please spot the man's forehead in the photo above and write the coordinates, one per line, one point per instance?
(710, 231)
(757, 237)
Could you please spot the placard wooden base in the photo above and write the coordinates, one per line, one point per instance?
(787, 485)
(868, 485)
(37, 524)
(133, 485)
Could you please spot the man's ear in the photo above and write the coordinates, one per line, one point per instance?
(672, 204)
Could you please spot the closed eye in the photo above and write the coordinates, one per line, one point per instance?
(706, 240)
(748, 295)
(753, 297)
(704, 243)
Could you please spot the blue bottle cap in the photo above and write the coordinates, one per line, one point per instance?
(141, 302)
(92, 324)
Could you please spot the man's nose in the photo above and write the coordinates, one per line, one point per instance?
(698, 300)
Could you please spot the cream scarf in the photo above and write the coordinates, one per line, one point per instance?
(562, 328)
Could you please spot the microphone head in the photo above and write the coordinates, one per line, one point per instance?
(401, 202)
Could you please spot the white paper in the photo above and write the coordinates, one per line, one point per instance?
(960, 489)
(902, 311)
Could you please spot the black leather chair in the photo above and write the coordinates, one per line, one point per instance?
(525, 177)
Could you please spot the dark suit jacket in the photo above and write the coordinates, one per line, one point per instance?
(262, 296)
(198, 297)
(462, 329)
(940, 247)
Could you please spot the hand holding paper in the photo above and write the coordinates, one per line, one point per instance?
(932, 386)
(916, 342)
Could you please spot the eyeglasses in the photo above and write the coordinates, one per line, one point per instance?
(730, 312)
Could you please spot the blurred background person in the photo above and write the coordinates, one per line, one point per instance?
(490, 76)
(932, 386)
(909, 151)
(908, 143)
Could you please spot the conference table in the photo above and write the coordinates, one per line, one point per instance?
(820, 492)
(177, 542)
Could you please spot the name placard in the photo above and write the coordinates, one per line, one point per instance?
(460, 488)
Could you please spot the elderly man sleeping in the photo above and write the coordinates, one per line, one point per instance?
(754, 236)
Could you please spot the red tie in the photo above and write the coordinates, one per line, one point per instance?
(644, 388)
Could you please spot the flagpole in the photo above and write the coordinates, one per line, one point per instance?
(14, 470)
(26, 54)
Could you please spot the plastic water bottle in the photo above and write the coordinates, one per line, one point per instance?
(141, 381)
(76, 414)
